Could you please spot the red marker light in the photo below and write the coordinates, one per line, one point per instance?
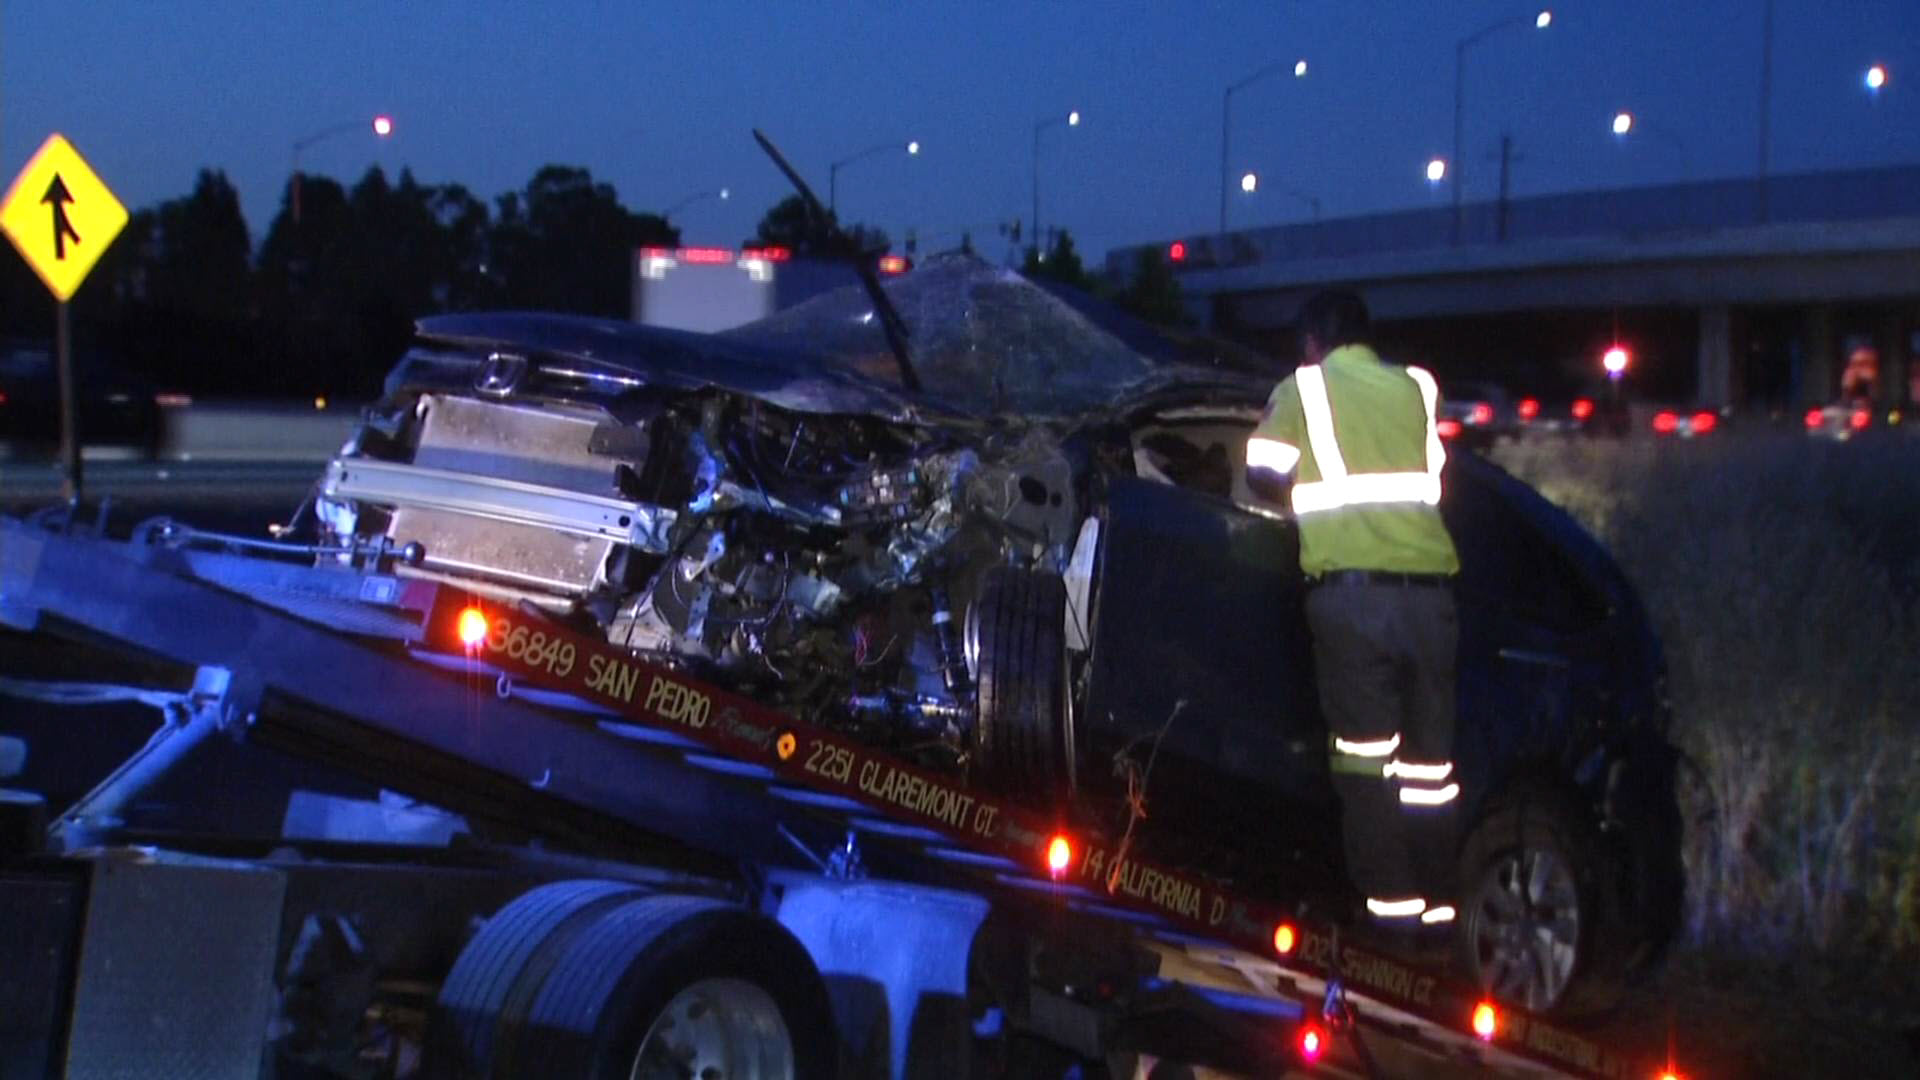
(1704, 422)
(1482, 414)
(1285, 938)
(1448, 428)
(1582, 408)
(1665, 423)
(472, 627)
(1529, 408)
(1311, 1042)
(1177, 251)
(893, 264)
(1815, 417)
(1059, 855)
(1860, 419)
(1486, 1021)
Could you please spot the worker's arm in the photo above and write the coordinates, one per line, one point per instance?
(1273, 450)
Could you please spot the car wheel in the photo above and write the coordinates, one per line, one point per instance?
(1529, 928)
(1016, 634)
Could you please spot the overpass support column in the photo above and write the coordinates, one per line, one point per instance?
(1714, 386)
(1819, 381)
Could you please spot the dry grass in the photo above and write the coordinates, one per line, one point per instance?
(1782, 574)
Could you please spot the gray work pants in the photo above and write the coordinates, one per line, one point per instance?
(1384, 656)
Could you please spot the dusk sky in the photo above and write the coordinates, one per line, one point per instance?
(658, 100)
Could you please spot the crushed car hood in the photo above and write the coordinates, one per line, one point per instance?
(671, 359)
(986, 341)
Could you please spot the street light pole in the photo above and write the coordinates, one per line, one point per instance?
(1226, 124)
(911, 146)
(1458, 163)
(1072, 119)
(1766, 112)
(715, 193)
(382, 127)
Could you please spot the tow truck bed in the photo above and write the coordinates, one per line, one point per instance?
(651, 776)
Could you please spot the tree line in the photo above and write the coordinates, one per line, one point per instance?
(327, 301)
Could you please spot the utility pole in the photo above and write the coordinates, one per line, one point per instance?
(1766, 112)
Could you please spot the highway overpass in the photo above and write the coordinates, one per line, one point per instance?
(1762, 301)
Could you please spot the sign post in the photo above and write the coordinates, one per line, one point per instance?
(62, 217)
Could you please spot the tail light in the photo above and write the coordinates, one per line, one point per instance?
(1815, 417)
(1529, 408)
(1482, 414)
(1448, 429)
(1486, 1021)
(1665, 423)
(1311, 1042)
(1860, 419)
(1704, 422)
(1582, 408)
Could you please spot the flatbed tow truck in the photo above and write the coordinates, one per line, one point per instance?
(654, 877)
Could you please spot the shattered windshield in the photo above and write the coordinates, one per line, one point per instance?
(984, 340)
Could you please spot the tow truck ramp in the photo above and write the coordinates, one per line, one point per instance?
(941, 919)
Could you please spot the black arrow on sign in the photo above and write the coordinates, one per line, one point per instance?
(58, 197)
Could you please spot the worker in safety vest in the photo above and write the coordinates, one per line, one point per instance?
(1359, 439)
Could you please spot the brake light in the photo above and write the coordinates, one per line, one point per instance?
(1665, 423)
(1059, 855)
(706, 255)
(1582, 408)
(3, 398)
(1529, 408)
(1486, 1021)
(1704, 422)
(472, 627)
(1815, 417)
(1860, 419)
(1482, 414)
(1311, 1042)
(1448, 428)
(1285, 938)
(1177, 252)
(771, 254)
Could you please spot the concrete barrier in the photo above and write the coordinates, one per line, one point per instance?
(240, 431)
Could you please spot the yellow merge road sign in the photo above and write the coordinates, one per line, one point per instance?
(61, 216)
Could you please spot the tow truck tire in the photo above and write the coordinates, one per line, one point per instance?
(475, 994)
(678, 986)
(1531, 893)
(1016, 628)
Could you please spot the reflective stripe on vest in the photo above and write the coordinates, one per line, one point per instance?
(1263, 453)
(1338, 488)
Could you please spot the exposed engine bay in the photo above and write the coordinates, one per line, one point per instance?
(822, 562)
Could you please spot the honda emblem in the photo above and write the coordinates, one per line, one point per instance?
(501, 374)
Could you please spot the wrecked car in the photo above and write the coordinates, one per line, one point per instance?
(1033, 563)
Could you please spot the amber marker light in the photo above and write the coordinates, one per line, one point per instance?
(1059, 855)
(1285, 937)
(472, 627)
(1486, 1021)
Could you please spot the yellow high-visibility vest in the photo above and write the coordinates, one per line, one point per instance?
(1362, 440)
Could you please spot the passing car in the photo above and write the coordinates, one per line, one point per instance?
(114, 407)
(1839, 421)
(1476, 415)
(1597, 412)
(1029, 558)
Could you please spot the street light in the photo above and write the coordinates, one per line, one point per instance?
(1626, 124)
(911, 146)
(1072, 119)
(1226, 124)
(715, 193)
(1622, 123)
(1540, 22)
(1876, 78)
(382, 127)
(1436, 170)
(1250, 183)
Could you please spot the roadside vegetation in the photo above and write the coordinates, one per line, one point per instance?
(1784, 576)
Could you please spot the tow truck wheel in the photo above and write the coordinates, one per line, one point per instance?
(1016, 633)
(641, 986)
(1529, 923)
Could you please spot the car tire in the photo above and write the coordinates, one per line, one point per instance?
(1016, 633)
(630, 984)
(1534, 926)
